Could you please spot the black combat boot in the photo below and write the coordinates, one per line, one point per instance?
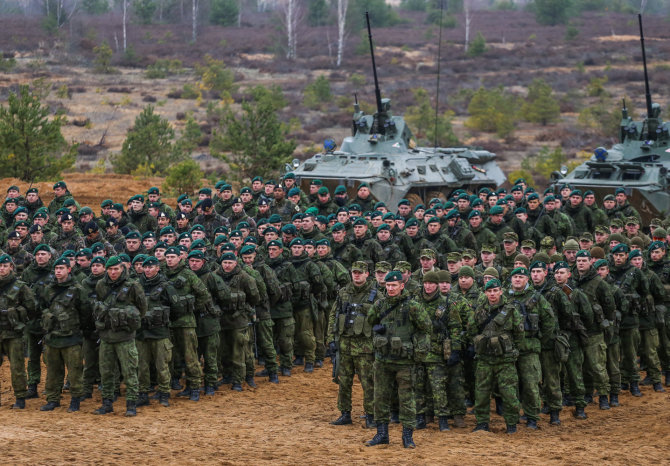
(370, 421)
(237, 387)
(261, 361)
(318, 363)
(554, 418)
(646, 381)
(250, 381)
(381, 437)
(420, 421)
(209, 390)
(407, 440)
(74, 405)
(87, 395)
(603, 402)
(50, 406)
(499, 406)
(624, 386)
(195, 395)
(579, 413)
(443, 423)
(163, 399)
(344, 419)
(175, 385)
(273, 378)
(568, 401)
(667, 378)
(309, 367)
(142, 399)
(545, 409)
(531, 424)
(185, 393)
(483, 426)
(299, 361)
(131, 408)
(511, 428)
(635, 389)
(459, 422)
(32, 391)
(614, 400)
(285, 371)
(107, 407)
(20, 404)
(588, 399)
(395, 417)
(658, 387)
(263, 373)
(430, 417)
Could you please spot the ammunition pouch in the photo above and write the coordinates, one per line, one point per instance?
(659, 314)
(301, 292)
(531, 325)
(181, 305)
(561, 347)
(446, 349)
(157, 317)
(123, 319)
(179, 282)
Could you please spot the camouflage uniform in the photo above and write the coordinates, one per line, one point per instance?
(264, 323)
(153, 338)
(349, 329)
(407, 327)
(61, 320)
(539, 334)
(90, 348)
(192, 294)
(17, 305)
(20, 257)
(68, 240)
(36, 278)
(121, 306)
(282, 311)
(323, 303)
(244, 295)
(142, 220)
(308, 284)
(473, 297)
(345, 253)
(662, 269)
(651, 323)
(497, 332)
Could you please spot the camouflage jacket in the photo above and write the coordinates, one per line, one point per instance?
(540, 325)
(89, 297)
(121, 305)
(37, 278)
(286, 275)
(445, 315)
(345, 253)
(63, 313)
(497, 332)
(156, 322)
(347, 320)
(17, 306)
(191, 293)
(244, 295)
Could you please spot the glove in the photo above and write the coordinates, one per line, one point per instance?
(454, 358)
(470, 352)
(332, 346)
(379, 329)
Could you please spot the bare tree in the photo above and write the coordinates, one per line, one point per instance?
(293, 12)
(195, 7)
(125, 22)
(467, 10)
(342, 6)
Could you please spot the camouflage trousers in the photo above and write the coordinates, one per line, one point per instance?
(250, 354)
(266, 347)
(446, 383)
(320, 325)
(385, 373)
(649, 353)
(305, 342)
(208, 348)
(35, 349)
(284, 330)
(125, 353)
(488, 375)
(574, 370)
(13, 348)
(613, 371)
(158, 352)
(363, 365)
(469, 377)
(664, 343)
(530, 375)
(423, 393)
(630, 341)
(57, 360)
(233, 353)
(185, 344)
(90, 351)
(551, 380)
(595, 361)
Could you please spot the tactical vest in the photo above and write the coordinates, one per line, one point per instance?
(352, 317)
(397, 342)
(12, 319)
(625, 284)
(183, 302)
(116, 314)
(495, 333)
(158, 314)
(61, 319)
(528, 310)
(301, 287)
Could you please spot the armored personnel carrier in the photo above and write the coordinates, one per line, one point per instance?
(639, 162)
(382, 152)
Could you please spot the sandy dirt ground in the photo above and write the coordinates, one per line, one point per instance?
(289, 424)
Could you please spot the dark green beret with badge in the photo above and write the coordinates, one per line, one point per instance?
(494, 283)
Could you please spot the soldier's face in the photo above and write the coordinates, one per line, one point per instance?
(603, 271)
(195, 264)
(14, 242)
(83, 261)
(313, 188)
(5, 269)
(533, 204)
(297, 250)
(412, 230)
(256, 185)
(160, 254)
(394, 288)
(453, 267)
(310, 250)
(600, 237)
(465, 283)
(376, 221)
(359, 277)
(570, 255)
(637, 262)
(496, 219)
(363, 193)
(404, 210)
(445, 287)
(430, 287)
(228, 265)
(609, 204)
(249, 258)
(32, 197)
(538, 275)
(39, 221)
(97, 269)
(279, 194)
(433, 227)
(274, 252)
(338, 236)
(589, 200)
(307, 224)
(562, 275)
(172, 260)
(151, 271)
(67, 225)
(384, 235)
(197, 234)
(359, 230)
(493, 295)
(132, 244)
(475, 221)
(269, 190)
(620, 198)
(427, 263)
(657, 254)
(583, 263)
(519, 281)
(510, 246)
(380, 275)
(58, 192)
(488, 257)
(115, 271)
(42, 258)
(61, 272)
(632, 228)
(149, 243)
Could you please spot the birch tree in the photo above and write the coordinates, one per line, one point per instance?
(342, 6)
(467, 10)
(293, 12)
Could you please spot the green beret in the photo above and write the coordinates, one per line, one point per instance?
(133, 235)
(114, 260)
(359, 266)
(600, 263)
(634, 253)
(62, 261)
(168, 230)
(363, 185)
(620, 248)
(42, 247)
(452, 214)
(97, 247)
(228, 256)
(474, 213)
(85, 252)
(434, 220)
(340, 189)
(583, 253)
(561, 265)
(411, 222)
(393, 276)
(149, 261)
(496, 210)
(316, 183)
(85, 210)
(609, 197)
(323, 191)
(360, 221)
(98, 260)
(576, 192)
(519, 271)
(466, 271)
(139, 258)
(538, 265)
(60, 184)
(383, 226)
(198, 244)
(620, 191)
(533, 196)
(68, 253)
(403, 202)
(495, 283)
(354, 207)
(656, 245)
(6, 259)
(276, 243)
(289, 176)
(196, 254)
(173, 250)
(296, 242)
(247, 249)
